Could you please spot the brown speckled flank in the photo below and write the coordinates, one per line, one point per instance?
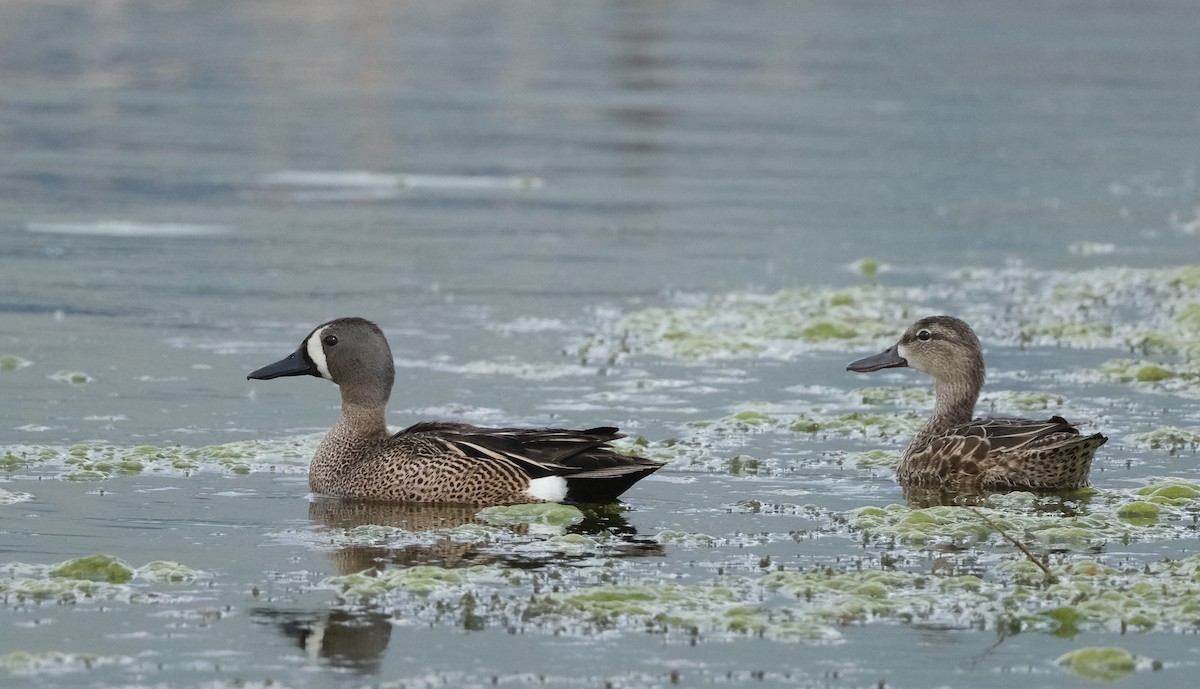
(951, 449)
(441, 462)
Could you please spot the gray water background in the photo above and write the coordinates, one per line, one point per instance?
(629, 151)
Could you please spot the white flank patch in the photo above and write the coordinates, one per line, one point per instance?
(548, 488)
(316, 352)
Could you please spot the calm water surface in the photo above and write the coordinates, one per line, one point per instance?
(187, 188)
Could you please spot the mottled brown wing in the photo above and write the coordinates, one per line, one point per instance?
(953, 456)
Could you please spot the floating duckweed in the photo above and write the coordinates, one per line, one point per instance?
(86, 475)
(1067, 308)
(421, 580)
(868, 267)
(668, 605)
(1139, 512)
(872, 459)
(1171, 438)
(744, 465)
(99, 462)
(550, 513)
(1170, 491)
(1163, 506)
(1107, 663)
(1066, 332)
(10, 497)
(919, 525)
(1091, 568)
(806, 426)
(809, 605)
(857, 423)
(11, 362)
(167, 572)
(849, 424)
(95, 568)
(95, 576)
(72, 377)
(1189, 316)
(571, 543)
(1178, 378)
(899, 396)
(1023, 401)
(1152, 374)
(751, 417)
(819, 332)
(130, 466)
(24, 662)
(743, 324)
(1186, 278)
(240, 468)
(966, 582)
(685, 539)
(64, 590)
(922, 525)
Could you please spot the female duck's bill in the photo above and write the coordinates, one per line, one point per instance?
(888, 358)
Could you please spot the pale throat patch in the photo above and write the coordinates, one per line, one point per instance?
(316, 352)
(548, 488)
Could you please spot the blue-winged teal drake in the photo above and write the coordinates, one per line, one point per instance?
(952, 450)
(441, 462)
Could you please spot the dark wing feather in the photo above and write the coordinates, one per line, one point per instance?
(595, 472)
(539, 452)
(1007, 434)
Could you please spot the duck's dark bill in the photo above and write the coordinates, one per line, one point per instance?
(888, 358)
(296, 364)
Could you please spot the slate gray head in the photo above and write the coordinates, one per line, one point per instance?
(351, 352)
(941, 346)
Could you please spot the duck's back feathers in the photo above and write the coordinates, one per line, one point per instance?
(1009, 433)
(593, 470)
(997, 452)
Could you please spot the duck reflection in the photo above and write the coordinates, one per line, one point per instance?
(344, 639)
(1068, 503)
(439, 547)
(355, 637)
(333, 515)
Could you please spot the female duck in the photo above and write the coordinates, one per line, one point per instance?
(951, 449)
(441, 462)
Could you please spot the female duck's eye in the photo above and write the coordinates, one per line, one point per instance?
(923, 335)
(329, 340)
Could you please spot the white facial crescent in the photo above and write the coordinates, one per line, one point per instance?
(316, 352)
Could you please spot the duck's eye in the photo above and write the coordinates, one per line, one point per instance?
(923, 335)
(329, 340)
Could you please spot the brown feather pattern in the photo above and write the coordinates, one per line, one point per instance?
(435, 461)
(954, 451)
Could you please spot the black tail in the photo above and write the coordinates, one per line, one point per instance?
(606, 485)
